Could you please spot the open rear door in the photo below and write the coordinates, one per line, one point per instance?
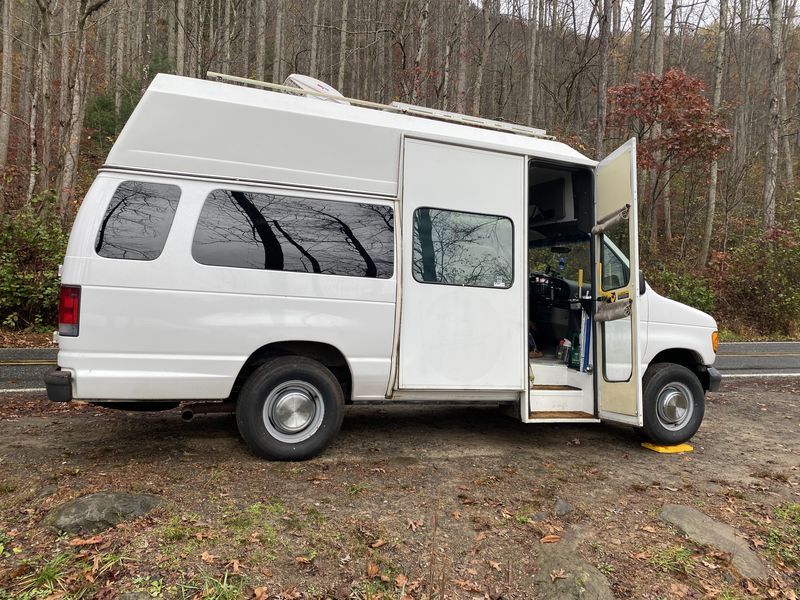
(618, 369)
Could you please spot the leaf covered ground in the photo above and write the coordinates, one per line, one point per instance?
(410, 502)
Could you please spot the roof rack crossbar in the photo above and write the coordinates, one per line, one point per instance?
(394, 107)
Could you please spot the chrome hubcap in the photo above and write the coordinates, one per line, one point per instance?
(674, 406)
(293, 411)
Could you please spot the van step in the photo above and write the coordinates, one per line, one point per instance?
(564, 388)
(560, 414)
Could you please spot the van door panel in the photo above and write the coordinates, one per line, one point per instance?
(619, 364)
(462, 321)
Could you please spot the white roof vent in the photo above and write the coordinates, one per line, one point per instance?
(309, 84)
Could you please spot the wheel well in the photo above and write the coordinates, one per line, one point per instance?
(687, 358)
(325, 354)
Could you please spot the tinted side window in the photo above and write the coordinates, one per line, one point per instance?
(286, 233)
(458, 248)
(137, 221)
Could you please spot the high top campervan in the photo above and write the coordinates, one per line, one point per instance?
(283, 256)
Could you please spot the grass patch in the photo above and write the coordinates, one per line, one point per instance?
(7, 488)
(48, 578)
(175, 531)
(783, 537)
(673, 559)
(227, 587)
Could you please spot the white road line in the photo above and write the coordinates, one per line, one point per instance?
(21, 390)
(763, 375)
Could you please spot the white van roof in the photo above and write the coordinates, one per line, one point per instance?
(187, 126)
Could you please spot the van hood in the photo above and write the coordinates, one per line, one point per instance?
(665, 310)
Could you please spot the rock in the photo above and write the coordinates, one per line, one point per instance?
(562, 508)
(96, 512)
(564, 575)
(133, 596)
(539, 516)
(703, 530)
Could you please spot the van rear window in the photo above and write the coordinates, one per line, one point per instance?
(288, 233)
(137, 220)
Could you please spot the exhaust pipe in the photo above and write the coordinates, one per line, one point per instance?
(188, 413)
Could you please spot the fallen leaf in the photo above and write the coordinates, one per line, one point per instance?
(412, 525)
(208, 557)
(372, 570)
(495, 565)
(260, 593)
(234, 564)
(377, 543)
(550, 539)
(751, 588)
(649, 529)
(401, 581)
(560, 574)
(456, 515)
(302, 560)
(95, 539)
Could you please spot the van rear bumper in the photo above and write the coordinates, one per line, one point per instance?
(59, 385)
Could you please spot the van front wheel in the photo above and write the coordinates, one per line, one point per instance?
(674, 403)
(290, 408)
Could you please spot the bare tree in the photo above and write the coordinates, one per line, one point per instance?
(5, 94)
(602, 81)
(719, 62)
(774, 124)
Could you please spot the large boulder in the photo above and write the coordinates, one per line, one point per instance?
(96, 512)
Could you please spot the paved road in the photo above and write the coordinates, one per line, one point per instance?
(23, 368)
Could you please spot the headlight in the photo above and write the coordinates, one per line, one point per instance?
(715, 341)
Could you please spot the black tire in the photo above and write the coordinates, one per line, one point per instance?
(674, 403)
(290, 408)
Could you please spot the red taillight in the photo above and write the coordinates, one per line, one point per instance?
(69, 310)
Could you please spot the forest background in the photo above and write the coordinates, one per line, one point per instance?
(711, 90)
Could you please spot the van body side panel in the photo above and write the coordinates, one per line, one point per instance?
(171, 328)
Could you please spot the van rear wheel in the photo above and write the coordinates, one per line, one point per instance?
(674, 403)
(290, 408)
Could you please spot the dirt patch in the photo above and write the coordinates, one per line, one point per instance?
(426, 502)
(25, 339)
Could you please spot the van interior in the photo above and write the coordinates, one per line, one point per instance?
(560, 218)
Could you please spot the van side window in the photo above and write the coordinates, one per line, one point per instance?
(137, 220)
(459, 248)
(616, 273)
(287, 233)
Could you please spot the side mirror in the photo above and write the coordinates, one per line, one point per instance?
(642, 283)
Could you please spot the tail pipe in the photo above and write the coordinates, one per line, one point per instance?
(190, 410)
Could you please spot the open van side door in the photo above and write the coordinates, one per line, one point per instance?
(616, 318)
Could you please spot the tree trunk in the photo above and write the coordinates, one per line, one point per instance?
(342, 49)
(461, 76)
(261, 40)
(5, 95)
(180, 42)
(532, 57)
(277, 59)
(636, 35)
(423, 37)
(486, 8)
(118, 74)
(774, 120)
(657, 29)
(171, 34)
(75, 124)
(602, 82)
(719, 61)
(312, 69)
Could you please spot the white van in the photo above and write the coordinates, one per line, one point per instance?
(282, 256)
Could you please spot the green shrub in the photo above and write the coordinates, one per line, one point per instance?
(760, 282)
(684, 287)
(32, 245)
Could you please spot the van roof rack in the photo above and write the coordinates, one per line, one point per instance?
(394, 107)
